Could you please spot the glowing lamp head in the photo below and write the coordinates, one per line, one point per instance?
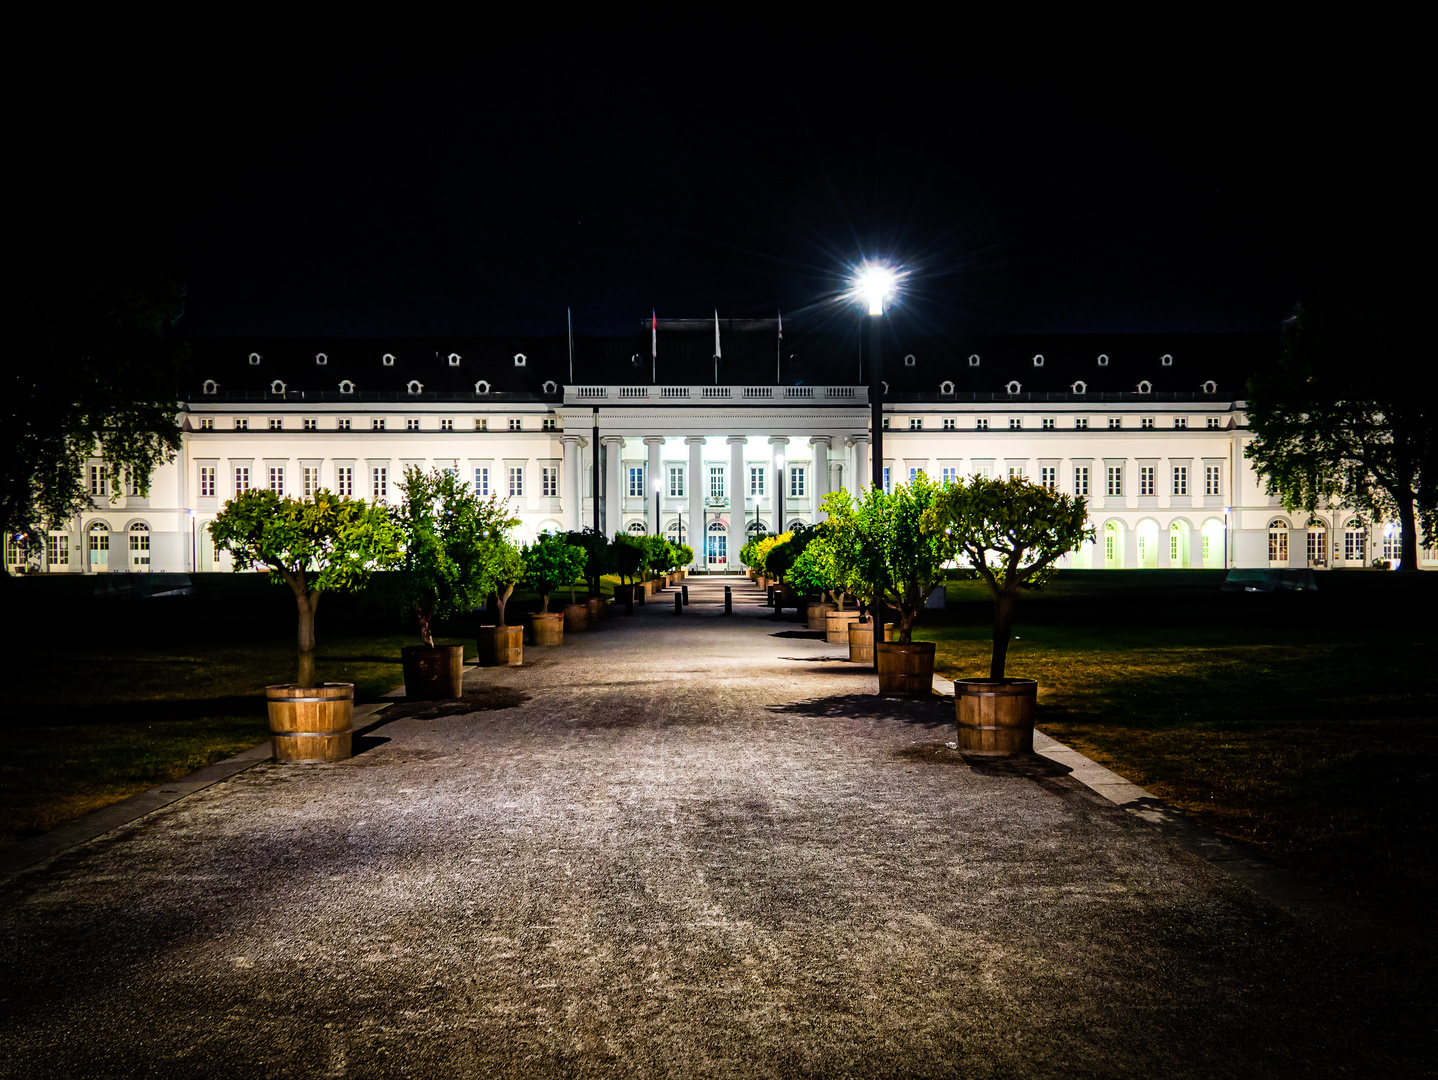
(876, 284)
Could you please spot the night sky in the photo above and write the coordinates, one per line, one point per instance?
(369, 195)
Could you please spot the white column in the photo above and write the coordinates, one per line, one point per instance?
(738, 485)
(651, 477)
(777, 467)
(613, 491)
(572, 493)
(694, 527)
(820, 443)
(860, 472)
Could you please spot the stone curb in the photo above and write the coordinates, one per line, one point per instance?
(72, 834)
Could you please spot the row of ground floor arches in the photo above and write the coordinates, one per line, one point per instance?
(97, 547)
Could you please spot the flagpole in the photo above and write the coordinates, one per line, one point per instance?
(569, 315)
(779, 349)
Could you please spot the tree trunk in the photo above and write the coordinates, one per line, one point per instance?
(500, 598)
(1408, 523)
(544, 603)
(907, 615)
(307, 603)
(1003, 627)
(426, 618)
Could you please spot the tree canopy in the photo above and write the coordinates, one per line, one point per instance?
(313, 545)
(551, 563)
(1339, 419)
(98, 376)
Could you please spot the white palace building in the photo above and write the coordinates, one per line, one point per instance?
(712, 433)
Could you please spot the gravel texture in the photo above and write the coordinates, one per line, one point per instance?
(691, 846)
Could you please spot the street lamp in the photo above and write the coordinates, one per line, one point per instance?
(658, 521)
(779, 495)
(875, 284)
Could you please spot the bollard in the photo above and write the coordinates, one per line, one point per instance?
(685, 589)
(728, 601)
(629, 603)
(640, 593)
(769, 602)
(678, 604)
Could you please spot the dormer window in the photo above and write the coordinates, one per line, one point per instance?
(1145, 387)
(321, 359)
(387, 359)
(974, 360)
(1039, 360)
(1079, 387)
(210, 387)
(1013, 386)
(946, 387)
(550, 386)
(1166, 360)
(277, 387)
(454, 359)
(347, 387)
(1103, 359)
(414, 386)
(520, 359)
(254, 359)
(481, 387)
(910, 360)
(1210, 387)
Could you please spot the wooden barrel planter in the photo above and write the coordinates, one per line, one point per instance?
(433, 674)
(501, 646)
(576, 617)
(546, 628)
(861, 640)
(312, 723)
(995, 716)
(598, 609)
(836, 626)
(906, 670)
(819, 617)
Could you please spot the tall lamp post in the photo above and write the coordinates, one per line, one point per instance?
(875, 284)
(658, 520)
(779, 495)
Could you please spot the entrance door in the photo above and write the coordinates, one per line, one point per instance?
(99, 549)
(716, 546)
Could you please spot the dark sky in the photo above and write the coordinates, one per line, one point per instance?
(484, 193)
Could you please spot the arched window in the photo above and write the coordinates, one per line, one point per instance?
(946, 387)
(1166, 360)
(1317, 544)
(1145, 387)
(254, 359)
(277, 387)
(520, 359)
(346, 387)
(1210, 387)
(550, 386)
(211, 387)
(321, 359)
(481, 387)
(1079, 387)
(1014, 386)
(1103, 359)
(1039, 360)
(637, 527)
(974, 360)
(756, 528)
(1278, 542)
(910, 360)
(387, 359)
(414, 386)
(140, 546)
(454, 359)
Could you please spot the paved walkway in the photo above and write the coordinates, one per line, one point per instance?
(702, 847)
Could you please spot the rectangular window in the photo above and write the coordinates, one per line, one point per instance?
(242, 424)
(516, 480)
(1115, 480)
(446, 423)
(310, 423)
(636, 481)
(277, 479)
(242, 479)
(140, 548)
(57, 549)
(276, 424)
(1145, 480)
(916, 423)
(676, 481)
(344, 423)
(549, 481)
(1277, 545)
(1172, 548)
(949, 474)
(1081, 423)
(1206, 555)
(1212, 423)
(1115, 422)
(1146, 423)
(379, 483)
(1354, 542)
(1049, 423)
(886, 424)
(986, 470)
(1210, 480)
(796, 481)
(1081, 480)
(345, 481)
(99, 482)
(949, 424)
(207, 481)
(1016, 472)
(1392, 548)
(207, 423)
(716, 481)
(1108, 546)
(981, 424)
(1016, 423)
(1049, 477)
(376, 423)
(887, 486)
(1180, 479)
(914, 473)
(516, 423)
(481, 423)
(1317, 547)
(481, 481)
(309, 480)
(550, 424)
(411, 423)
(756, 480)
(1180, 423)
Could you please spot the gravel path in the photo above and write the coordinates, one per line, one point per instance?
(702, 847)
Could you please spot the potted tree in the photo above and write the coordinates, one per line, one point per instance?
(598, 561)
(441, 573)
(501, 645)
(657, 556)
(627, 559)
(846, 540)
(550, 563)
(321, 544)
(1011, 532)
(813, 575)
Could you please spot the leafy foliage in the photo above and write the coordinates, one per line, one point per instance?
(1337, 422)
(447, 531)
(598, 556)
(628, 555)
(313, 545)
(551, 563)
(1011, 532)
(816, 570)
(97, 375)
